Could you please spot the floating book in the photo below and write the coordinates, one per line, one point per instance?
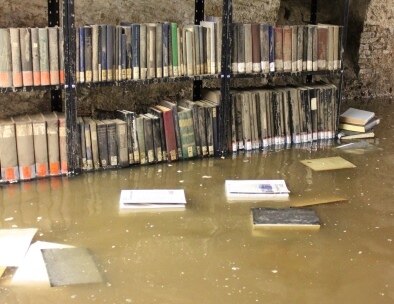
(350, 135)
(328, 163)
(285, 218)
(356, 116)
(256, 189)
(70, 266)
(152, 198)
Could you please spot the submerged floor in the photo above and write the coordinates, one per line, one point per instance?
(209, 253)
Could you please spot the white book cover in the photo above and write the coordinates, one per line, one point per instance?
(152, 198)
(256, 189)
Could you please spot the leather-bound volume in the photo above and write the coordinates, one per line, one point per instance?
(169, 131)
(287, 44)
(279, 49)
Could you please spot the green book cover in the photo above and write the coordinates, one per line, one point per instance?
(188, 141)
(174, 47)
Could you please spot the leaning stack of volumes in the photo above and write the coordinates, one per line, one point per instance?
(147, 50)
(33, 146)
(262, 48)
(31, 57)
(356, 123)
(282, 116)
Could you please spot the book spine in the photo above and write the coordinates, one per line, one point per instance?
(300, 46)
(81, 54)
(17, 79)
(88, 144)
(77, 53)
(141, 139)
(95, 53)
(53, 146)
(234, 48)
(322, 35)
(248, 48)
(264, 48)
(53, 42)
(279, 49)
(121, 141)
(256, 48)
(63, 143)
(25, 150)
(157, 141)
(102, 144)
(159, 50)
(123, 62)
(44, 55)
(309, 54)
(5, 59)
(143, 52)
(294, 37)
(187, 134)
(26, 60)
(112, 144)
(136, 50)
(61, 57)
(110, 53)
(241, 49)
(314, 48)
(40, 148)
(129, 53)
(287, 44)
(103, 62)
(174, 49)
(88, 51)
(151, 51)
(165, 37)
(271, 37)
(94, 143)
(9, 156)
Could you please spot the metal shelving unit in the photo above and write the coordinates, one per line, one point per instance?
(226, 75)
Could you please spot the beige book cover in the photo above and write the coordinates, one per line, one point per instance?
(328, 163)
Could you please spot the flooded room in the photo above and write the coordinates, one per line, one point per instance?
(207, 151)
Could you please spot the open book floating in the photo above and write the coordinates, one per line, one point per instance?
(256, 189)
(152, 198)
(285, 218)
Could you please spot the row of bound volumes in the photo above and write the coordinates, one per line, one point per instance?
(33, 146)
(149, 50)
(167, 132)
(283, 116)
(31, 57)
(262, 48)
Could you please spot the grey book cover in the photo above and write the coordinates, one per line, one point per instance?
(5, 59)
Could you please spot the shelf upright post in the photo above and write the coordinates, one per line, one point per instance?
(345, 22)
(54, 20)
(70, 87)
(225, 105)
(198, 16)
(313, 20)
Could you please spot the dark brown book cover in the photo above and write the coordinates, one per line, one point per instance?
(322, 38)
(279, 49)
(287, 44)
(169, 131)
(256, 45)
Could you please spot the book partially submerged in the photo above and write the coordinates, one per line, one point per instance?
(285, 218)
(152, 198)
(327, 163)
(256, 189)
(360, 128)
(350, 135)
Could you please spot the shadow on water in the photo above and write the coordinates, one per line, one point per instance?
(209, 252)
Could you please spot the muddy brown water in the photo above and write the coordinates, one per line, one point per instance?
(209, 252)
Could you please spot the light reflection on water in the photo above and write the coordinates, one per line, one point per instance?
(209, 252)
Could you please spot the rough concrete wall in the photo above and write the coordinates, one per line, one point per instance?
(376, 58)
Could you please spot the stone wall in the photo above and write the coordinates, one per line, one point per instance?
(369, 74)
(376, 58)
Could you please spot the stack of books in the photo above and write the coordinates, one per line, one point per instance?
(356, 123)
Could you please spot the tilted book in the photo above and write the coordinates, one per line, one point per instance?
(356, 116)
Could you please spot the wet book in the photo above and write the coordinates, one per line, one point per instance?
(152, 198)
(292, 218)
(70, 266)
(256, 189)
